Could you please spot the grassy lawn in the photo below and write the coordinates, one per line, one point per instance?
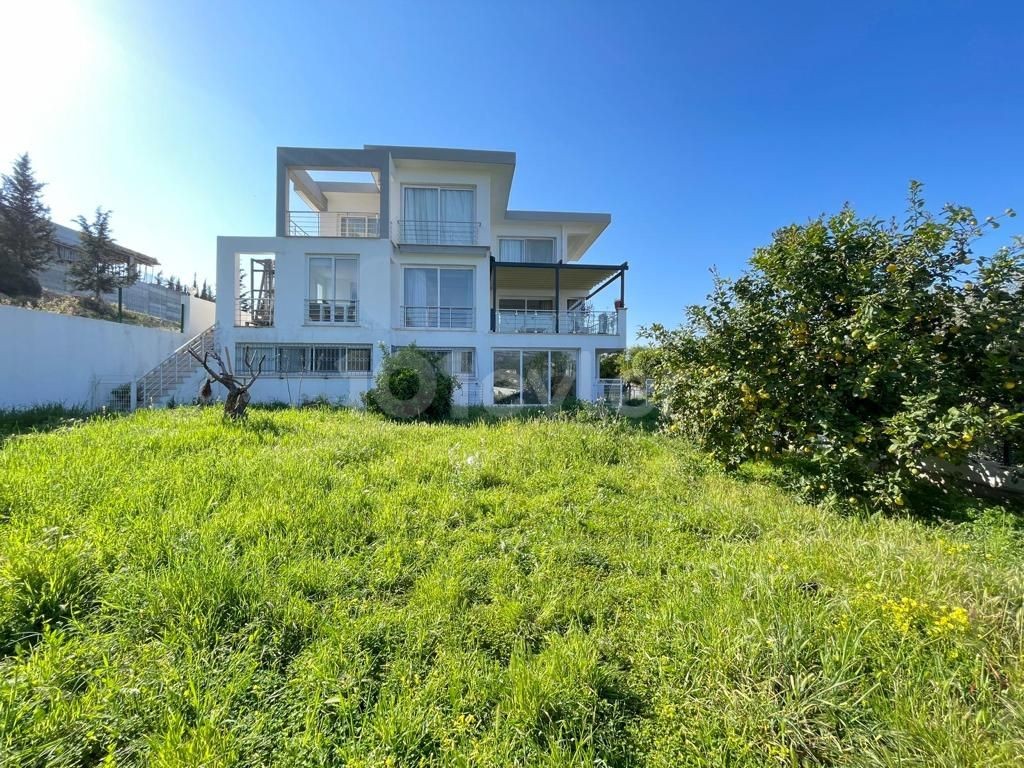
(318, 587)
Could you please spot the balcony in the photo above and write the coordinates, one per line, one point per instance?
(589, 322)
(454, 318)
(423, 232)
(334, 312)
(333, 224)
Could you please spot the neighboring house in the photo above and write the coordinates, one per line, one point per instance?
(143, 296)
(67, 249)
(402, 245)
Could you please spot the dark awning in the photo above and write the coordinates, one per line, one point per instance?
(571, 277)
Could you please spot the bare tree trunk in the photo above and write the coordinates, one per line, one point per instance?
(238, 390)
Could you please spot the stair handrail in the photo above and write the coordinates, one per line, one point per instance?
(156, 374)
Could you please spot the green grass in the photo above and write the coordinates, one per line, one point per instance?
(327, 588)
(14, 421)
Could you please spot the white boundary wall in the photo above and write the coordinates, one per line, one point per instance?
(200, 314)
(50, 358)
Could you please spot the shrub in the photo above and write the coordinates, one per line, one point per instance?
(19, 285)
(863, 346)
(412, 384)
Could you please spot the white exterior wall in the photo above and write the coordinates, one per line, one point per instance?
(50, 358)
(381, 292)
(200, 314)
(353, 202)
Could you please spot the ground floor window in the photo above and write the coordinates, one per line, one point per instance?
(533, 376)
(454, 361)
(305, 359)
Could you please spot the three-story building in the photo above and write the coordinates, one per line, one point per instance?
(381, 247)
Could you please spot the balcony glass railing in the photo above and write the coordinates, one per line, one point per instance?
(324, 311)
(603, 323)
(460, 318)
(438, 232)
(332, 224)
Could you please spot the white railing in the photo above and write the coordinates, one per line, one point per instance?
(460, 318)
(424, 232)
(168, 375)
(332, 224)
(602, 323)
(324, 311)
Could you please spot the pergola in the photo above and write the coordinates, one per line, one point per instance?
(592, 278)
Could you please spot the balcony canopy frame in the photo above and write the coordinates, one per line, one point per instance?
(593, 278)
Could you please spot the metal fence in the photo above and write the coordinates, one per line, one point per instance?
(113, 394)
(146, 298)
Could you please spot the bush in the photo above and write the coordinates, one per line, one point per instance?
(412, 385)
(19, 284)
(863, 346)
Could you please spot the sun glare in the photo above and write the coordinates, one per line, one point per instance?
(57, 48)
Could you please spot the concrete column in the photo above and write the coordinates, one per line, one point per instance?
(586, 372)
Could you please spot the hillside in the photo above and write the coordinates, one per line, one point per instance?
(85, 306)
(318, 587)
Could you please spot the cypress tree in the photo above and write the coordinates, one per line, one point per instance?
(97, 269)
(26, 233)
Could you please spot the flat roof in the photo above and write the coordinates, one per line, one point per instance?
(446, 154)
(559, 216)
(72, 237)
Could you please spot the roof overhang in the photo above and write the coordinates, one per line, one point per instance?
(500, 166)
(73, 238)
(571, 277)
(582, 229)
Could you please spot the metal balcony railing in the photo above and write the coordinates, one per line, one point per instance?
(422, 232)
(460, 318)
(325, 311)
(602, 323)
(332, 224)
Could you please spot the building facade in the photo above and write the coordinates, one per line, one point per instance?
(382, 247)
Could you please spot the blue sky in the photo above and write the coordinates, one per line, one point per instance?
(700, 128)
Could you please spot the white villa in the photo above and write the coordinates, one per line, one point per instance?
(380, 247)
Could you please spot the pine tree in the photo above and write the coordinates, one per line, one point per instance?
(26, 232)
(98, 270)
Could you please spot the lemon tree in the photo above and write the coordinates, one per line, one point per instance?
(869, 349)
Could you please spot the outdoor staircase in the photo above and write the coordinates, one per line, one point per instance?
(163, 382)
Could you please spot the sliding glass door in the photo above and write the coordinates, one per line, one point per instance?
(533, 376)
(438, 216)
(438, 297)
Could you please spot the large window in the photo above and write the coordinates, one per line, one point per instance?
(438, 297)
(438, 215)
(333, 292)
(321, 360)
(533, 376)
(534, 250)
(456, 362)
